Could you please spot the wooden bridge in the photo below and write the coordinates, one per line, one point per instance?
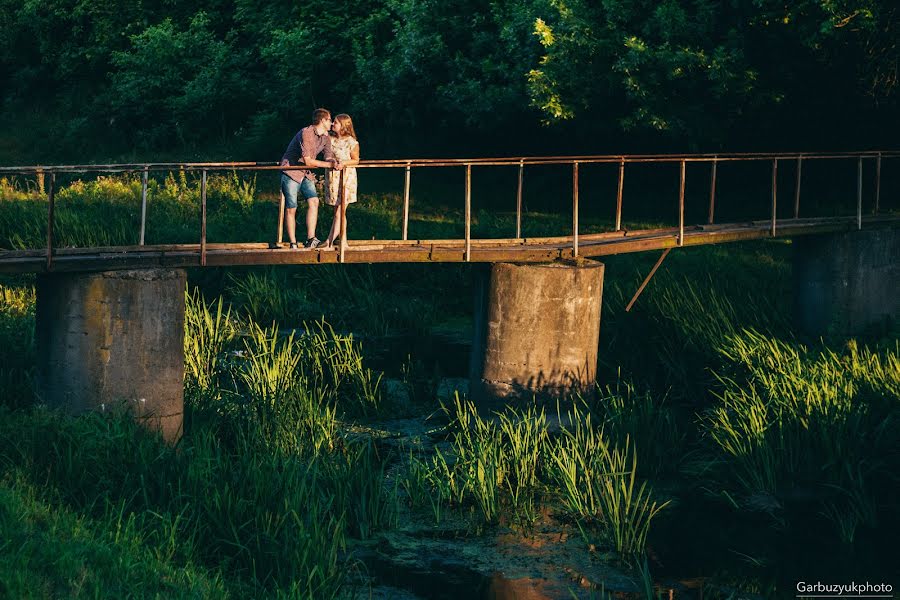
(52, 258)
(110, 321)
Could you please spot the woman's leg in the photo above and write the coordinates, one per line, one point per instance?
(335, 225)
(344, 221)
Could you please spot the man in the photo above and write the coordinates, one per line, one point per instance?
(306, 145)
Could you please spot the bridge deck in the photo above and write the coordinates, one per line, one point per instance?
(419, 251)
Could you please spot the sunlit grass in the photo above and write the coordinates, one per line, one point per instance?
(790, 419)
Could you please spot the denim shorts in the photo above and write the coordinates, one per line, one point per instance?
(290, 188)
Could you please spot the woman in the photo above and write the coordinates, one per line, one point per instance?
(346, 150)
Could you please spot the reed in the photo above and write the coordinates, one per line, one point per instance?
(597, 482)
(785, 410)
(492, 465)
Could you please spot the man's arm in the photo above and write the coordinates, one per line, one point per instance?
(309, 147)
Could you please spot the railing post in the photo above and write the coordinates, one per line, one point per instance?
(681, 206)
(280, 236)
(203, 219)
(405, 203)
(344, 205)
(519, 201)
(712, 191)
(774, 194)
(877, 182)
(468, 212)
(797, 187)
(51, 193)
(575, 208)
(859, 193)
(144, 177)
(619, 195)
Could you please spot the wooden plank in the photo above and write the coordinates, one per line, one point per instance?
(366, 251)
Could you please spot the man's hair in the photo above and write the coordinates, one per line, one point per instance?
(319, 115)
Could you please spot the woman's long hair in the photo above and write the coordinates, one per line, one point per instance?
(346, 125)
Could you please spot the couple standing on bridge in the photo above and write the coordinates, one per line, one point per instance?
(335, 140)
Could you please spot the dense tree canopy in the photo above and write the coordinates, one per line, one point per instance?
(220, 77)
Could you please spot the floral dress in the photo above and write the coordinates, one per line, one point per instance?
(342, 148)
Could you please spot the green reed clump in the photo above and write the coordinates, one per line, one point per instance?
(494, 465)
(506, 466)
(208, 331)
(597, 483)
(286, 407)
(785, 411)
(334, 362)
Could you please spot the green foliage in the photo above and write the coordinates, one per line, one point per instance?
(190, 74)
(695, 68)
(240, 77)
(644, 420)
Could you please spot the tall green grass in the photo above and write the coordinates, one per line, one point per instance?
(510, 466)
(793, 422)
(597, 482)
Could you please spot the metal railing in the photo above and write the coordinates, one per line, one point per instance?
(875, 157)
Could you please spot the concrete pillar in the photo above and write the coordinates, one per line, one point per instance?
(847, 283)
(104, 339)
(537, 327)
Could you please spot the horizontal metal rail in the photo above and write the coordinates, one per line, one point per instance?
(456, 162)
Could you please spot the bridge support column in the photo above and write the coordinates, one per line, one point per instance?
(847, 283)
(537, 327)
(111, 338)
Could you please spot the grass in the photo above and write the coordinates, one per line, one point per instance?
(597, 483)
(263, 495)
(59, 553)
(785, 411)
(271, 489)
(509, 466)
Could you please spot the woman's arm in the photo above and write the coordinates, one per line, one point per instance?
(354, 157)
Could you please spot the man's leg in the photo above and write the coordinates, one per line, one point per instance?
(308, 189)
(290, 220)
(312, 216)
(290, 189)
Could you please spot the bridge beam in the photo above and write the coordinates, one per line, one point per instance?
(114, 338)
(847, 283)
(537, 327)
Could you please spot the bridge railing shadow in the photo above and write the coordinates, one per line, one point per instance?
(869, 168)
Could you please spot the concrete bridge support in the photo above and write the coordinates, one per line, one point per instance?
(111, 338)
(847, 283)
(537, 327)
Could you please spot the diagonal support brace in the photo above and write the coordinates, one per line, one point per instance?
(647, 279)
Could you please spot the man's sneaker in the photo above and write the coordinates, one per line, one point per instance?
(293, 245)
(312, 242)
